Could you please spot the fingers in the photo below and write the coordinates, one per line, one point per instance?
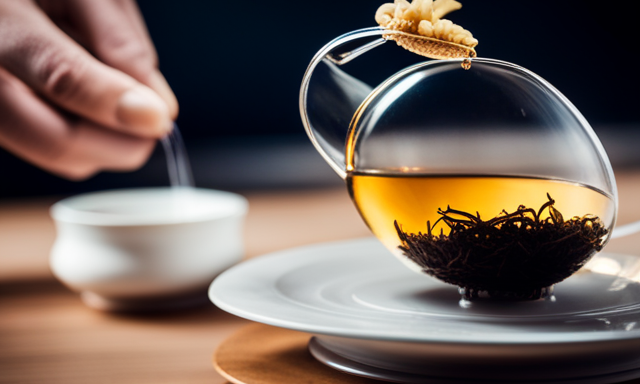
(33, 130)
(49, 62)
(114, 31)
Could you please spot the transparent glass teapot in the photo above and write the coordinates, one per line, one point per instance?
(487, 177)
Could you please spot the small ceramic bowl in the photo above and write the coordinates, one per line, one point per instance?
(146, 248)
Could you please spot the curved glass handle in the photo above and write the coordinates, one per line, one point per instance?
(625, 230)
(329, 97)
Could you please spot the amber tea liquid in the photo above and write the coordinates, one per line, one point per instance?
(414, 199)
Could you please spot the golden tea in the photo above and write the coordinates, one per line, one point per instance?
(485, 233)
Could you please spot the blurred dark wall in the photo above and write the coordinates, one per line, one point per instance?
(236, 68)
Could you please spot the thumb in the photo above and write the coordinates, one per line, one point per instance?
(52, 64)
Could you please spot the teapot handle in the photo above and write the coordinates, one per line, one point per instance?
(329, 97)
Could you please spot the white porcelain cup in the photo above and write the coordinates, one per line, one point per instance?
(137, 248)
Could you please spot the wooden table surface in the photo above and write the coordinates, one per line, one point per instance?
(48, 336)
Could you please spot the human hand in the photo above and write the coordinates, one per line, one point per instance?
(80, 90)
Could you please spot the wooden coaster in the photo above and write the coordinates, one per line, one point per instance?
(262, 354)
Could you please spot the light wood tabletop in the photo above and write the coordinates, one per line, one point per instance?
(48, 336)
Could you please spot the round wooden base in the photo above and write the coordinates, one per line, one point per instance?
(261, 354)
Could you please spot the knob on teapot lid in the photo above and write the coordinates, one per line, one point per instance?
(418, 27)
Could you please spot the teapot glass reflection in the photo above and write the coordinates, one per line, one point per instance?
(487, 178)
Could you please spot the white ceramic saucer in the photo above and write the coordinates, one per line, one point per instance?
(368, 310)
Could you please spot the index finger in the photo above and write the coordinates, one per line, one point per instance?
(52, 64)
(115, 32)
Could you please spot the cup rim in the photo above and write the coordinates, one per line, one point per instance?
(77, 209)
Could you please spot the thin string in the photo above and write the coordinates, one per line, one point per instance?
(177, 161)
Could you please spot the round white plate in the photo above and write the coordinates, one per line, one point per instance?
(366, 307)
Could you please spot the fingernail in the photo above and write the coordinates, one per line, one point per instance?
(159, 84)
(142, 112)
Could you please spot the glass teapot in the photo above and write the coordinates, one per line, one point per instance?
(485, 177)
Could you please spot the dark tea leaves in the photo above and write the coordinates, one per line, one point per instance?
(513, 255)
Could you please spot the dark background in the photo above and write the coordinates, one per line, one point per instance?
(236, 69)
